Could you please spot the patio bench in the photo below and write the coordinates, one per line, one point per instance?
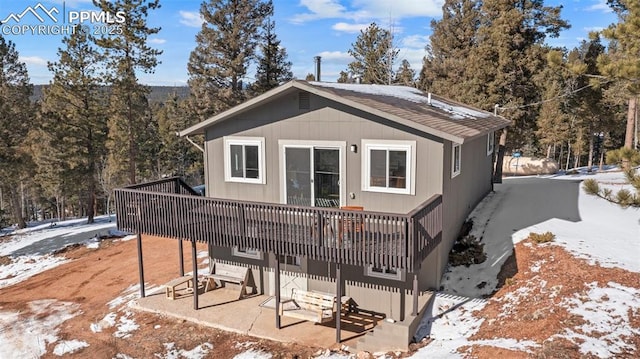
(179, 287)
(223, 272)
(312, 306)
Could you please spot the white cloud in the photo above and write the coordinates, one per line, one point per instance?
(413, 55)
(191, 18)
(349, 28)
(600, 5)
(415, 41)
(157, 41)
(394, 9)
(336, 56)
(33, 60)
(368, 10)
(320, 9)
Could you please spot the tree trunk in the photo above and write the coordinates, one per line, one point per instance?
(568, 155)
(561, 156)
(630, 131)
(549, 151)
(63, 215)
(497, 173)
(108, 203)
(590, 160)
(16, 210)
(631, 119)
(601, 166)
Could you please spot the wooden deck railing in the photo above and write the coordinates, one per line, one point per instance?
(327, 234)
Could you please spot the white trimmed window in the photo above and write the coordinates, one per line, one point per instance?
(388, 166)
(384, 272)
(246, 253)
(491, 142)
(456, 155)
(244, 159)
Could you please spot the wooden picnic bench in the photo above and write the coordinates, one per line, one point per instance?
(223, 272)
(312, 306)
(179, 287)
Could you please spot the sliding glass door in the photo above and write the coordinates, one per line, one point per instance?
(312, 176)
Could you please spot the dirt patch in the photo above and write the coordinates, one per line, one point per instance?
(546, 275)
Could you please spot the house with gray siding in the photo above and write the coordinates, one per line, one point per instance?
(355, 190)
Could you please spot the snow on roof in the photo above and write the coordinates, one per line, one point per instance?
(406, 93)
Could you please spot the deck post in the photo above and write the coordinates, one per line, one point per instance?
(140, 265)
(415, 295)
(181, 253)
(194, 259)
(338, 302)
(277, 290)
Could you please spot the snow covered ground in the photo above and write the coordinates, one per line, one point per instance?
(31, 249)
(606, 234)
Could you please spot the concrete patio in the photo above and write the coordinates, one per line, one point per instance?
(253, 315)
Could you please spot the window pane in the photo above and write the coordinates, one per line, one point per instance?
(397, 169)
(236, 161)
(378, 168)
(456, 158)
(326, 177)
(298, 176)
(251, 156)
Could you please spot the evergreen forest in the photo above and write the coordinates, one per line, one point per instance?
(65, 146)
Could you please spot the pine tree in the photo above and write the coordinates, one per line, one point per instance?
(310, 77)
(224, 48)
(510, 51)
(405, 74)
(622, 61)
(373, 56)
(444, 69)
(177, 157)
(74, 127)
(16, 117)
(273, 66)
(588, 102)
(345, 78)
(128, 52)
(553, 121)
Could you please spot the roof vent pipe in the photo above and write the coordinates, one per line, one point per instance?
(429, 98)
(317, 60)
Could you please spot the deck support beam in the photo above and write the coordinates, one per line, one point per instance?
(338, 302)
(414, 312)
(194, 259)
(277, 291)
(140, 265)
(181, 253)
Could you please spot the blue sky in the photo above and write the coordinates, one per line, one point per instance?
(306, 28)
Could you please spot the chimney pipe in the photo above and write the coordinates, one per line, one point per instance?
(317, 60)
